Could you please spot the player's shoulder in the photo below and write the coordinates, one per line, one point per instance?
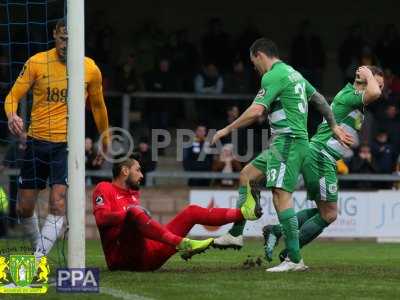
(347, 92)
(89, 62)
(91, 68)
(41, 57)
(270, 77)
(276, 74)
(104, 186)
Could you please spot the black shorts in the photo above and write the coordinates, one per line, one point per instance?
(43, 161)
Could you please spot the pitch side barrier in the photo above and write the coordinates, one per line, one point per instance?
(128, 98)
(151, 177)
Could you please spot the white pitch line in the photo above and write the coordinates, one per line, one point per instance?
(122, 295)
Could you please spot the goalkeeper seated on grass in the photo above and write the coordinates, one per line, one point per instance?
(132, 240)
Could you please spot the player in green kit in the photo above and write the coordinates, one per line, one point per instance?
(319, 169)
(285, 95)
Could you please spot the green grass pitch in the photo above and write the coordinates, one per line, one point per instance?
(338, 270)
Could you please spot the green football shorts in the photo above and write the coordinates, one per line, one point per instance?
(320, 175)
(282, 161)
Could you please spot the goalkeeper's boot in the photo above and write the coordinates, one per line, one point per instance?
(288, 266)
(188, 247)
(251, 208)
(227, 241)
(271, 239)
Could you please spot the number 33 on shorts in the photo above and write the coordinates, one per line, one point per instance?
(271, 175)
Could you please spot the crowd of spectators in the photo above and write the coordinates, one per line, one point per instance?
(218, 63)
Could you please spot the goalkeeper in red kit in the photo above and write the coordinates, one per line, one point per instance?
(132, 240)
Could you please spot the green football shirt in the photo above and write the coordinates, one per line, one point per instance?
(348, 108)
(285, 94)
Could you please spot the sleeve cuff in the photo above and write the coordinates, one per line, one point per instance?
(263, 104)
(309, 98)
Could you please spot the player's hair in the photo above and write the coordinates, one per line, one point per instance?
(127, 161)
(266, 46)
(60, 24)
(376, 70)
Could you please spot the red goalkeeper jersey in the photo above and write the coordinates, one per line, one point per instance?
(110, 204)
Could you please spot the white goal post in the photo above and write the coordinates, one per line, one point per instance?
(76, 133)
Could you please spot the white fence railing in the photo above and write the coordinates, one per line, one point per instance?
(167, 96)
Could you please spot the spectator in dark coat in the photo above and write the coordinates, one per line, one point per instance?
(238, 82)
(161, 79)
(197, 157)
(363, 162)
(383, 153)
(128, 78)
(145, 159)
(184, 58)
(391, 123)
(209, 81)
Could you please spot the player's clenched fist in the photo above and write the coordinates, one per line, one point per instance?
(15, 124)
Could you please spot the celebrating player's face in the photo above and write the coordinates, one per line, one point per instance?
(135, 176)
(61, 39)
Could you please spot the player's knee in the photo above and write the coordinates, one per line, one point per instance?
(278, 194)
(276, 197)
(136, 210)
(282, 200)
(26, 203)
(243, 177)
(57, 204)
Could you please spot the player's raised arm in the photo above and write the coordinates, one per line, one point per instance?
(250, 115)
(373, 89)
(20, 88)
(98, 107)
(323, 107)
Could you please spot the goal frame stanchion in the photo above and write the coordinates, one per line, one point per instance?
(76, 133)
